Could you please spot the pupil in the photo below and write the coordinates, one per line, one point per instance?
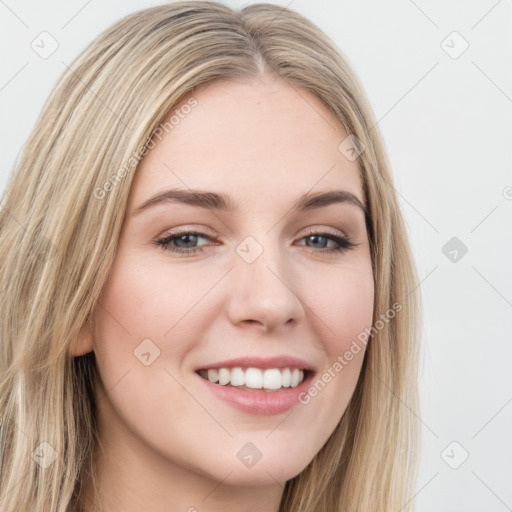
(184, 237)
(315, 237)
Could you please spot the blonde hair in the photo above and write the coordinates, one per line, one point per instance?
(62, 213)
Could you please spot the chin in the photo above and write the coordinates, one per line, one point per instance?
(262, 475)
(275, 468)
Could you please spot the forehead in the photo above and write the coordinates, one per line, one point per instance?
(264, 138)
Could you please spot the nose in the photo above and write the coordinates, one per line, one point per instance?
(263, 292)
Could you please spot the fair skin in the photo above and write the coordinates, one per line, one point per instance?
(167, 442)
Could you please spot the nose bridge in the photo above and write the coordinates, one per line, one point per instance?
(262, 290)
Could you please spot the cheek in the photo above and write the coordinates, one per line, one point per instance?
(139, 302)
(137, 309)
(344, 304)
(130, 311)
(343, 310)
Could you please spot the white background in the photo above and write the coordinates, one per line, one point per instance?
(447, 125)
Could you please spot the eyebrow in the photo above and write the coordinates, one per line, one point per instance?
(222, 202)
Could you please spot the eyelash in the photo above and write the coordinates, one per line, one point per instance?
(344, 242)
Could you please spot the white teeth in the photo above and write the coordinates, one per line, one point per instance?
(294, 380)
(237, 377)
(213, 375)
(255, 378)
(224, 376)
(285, 378)
(272, 379)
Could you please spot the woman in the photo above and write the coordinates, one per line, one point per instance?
(209, 298)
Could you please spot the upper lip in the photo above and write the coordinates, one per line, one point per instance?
(260, 362)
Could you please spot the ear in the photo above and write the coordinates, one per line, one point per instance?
(83, 344)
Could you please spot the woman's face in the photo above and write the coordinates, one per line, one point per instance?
(260, 286)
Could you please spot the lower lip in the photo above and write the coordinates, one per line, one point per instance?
(259, 402)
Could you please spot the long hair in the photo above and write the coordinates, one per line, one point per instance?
(60, 221)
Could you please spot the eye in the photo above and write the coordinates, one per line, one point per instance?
(184, 239)
(343, 243)
(179, 242)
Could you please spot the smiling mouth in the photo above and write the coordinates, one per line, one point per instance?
(256, 379)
